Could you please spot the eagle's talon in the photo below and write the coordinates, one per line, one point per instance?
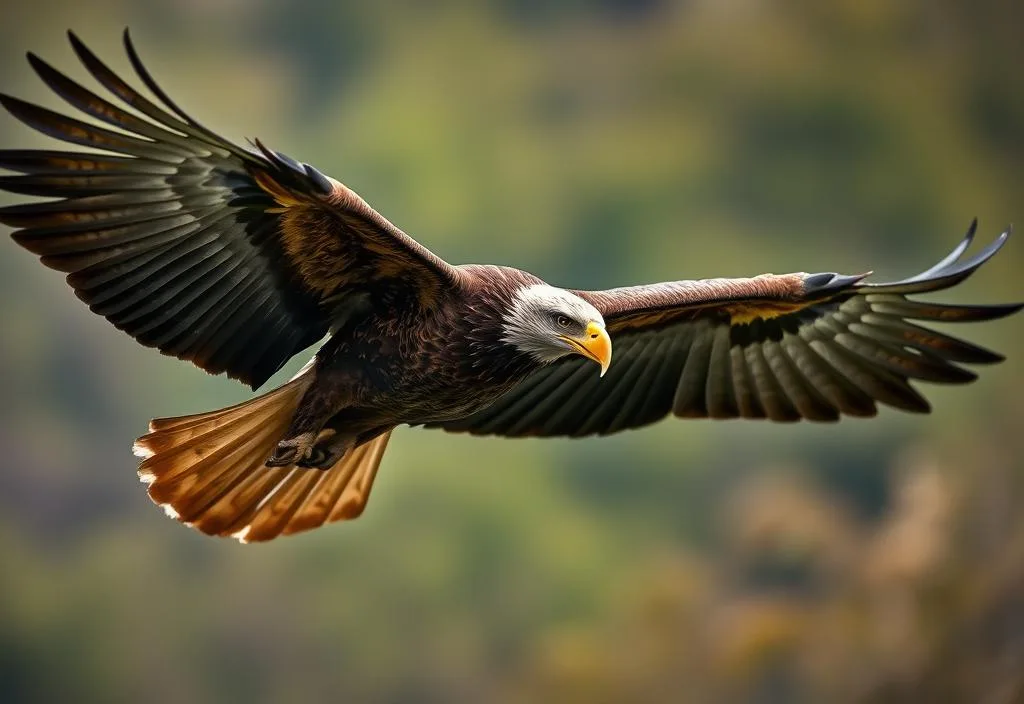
(292, 451)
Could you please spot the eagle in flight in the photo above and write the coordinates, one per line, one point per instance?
(236, 259)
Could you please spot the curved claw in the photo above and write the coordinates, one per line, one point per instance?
(292, 451)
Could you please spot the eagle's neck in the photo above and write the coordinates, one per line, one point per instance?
(486, 354)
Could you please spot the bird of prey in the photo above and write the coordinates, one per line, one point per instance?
(236, 259)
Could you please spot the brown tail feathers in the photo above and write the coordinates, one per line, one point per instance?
(208, 472)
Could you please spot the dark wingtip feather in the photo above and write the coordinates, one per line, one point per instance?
(972, 230)
(319, 179)
(11, 219)
(310, 178)
(263, 149)
(957, 252)
(948, 272)
(83, 52)
(55, 80)
(77, 44)
(288, 161)
(147, 78)
(993, 358)
(987, 253)
(829, 283)
(278, 159)
(7, 101)
(19, 109)
(14, 160)
(924, 406)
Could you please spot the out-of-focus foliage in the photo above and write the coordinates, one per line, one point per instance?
(596, 144)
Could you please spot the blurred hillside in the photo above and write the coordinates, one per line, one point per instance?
(595, 144)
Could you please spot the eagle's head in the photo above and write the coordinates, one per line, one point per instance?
(548, 323)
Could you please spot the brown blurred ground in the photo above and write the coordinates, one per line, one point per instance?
(596, 144)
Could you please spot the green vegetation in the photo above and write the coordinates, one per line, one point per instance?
(596, 144)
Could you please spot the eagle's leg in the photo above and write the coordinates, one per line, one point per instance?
(315, 409)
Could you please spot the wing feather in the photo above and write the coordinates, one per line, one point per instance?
(720, 391)
(746, 390)
(805, 400)
(601, 414)
(230, 258)
(813, 346)
(691, 390)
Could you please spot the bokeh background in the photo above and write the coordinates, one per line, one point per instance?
(595, 144)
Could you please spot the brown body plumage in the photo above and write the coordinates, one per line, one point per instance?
(383, 367)
(237, 259)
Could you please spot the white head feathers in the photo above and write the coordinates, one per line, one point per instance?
(532, 323)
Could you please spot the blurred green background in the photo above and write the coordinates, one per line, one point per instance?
(595, 144)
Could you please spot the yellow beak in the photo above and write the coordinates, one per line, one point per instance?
(594, 344)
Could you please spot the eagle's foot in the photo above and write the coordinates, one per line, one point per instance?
(292, 451)
(322, 458)
(327, 452)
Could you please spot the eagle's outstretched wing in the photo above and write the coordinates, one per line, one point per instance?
(229, 258)
(782, 347)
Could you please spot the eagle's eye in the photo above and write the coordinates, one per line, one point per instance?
(563, 321)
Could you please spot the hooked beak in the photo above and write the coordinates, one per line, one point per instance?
(594, 344)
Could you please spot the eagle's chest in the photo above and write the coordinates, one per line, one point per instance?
(415, 373)
(444, 378)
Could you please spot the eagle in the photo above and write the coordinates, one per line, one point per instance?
(238, 258)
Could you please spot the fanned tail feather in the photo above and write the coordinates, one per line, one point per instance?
(208, 471)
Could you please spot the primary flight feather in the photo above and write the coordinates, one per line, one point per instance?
(236, 259)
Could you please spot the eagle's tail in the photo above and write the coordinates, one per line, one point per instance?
(208, 471)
